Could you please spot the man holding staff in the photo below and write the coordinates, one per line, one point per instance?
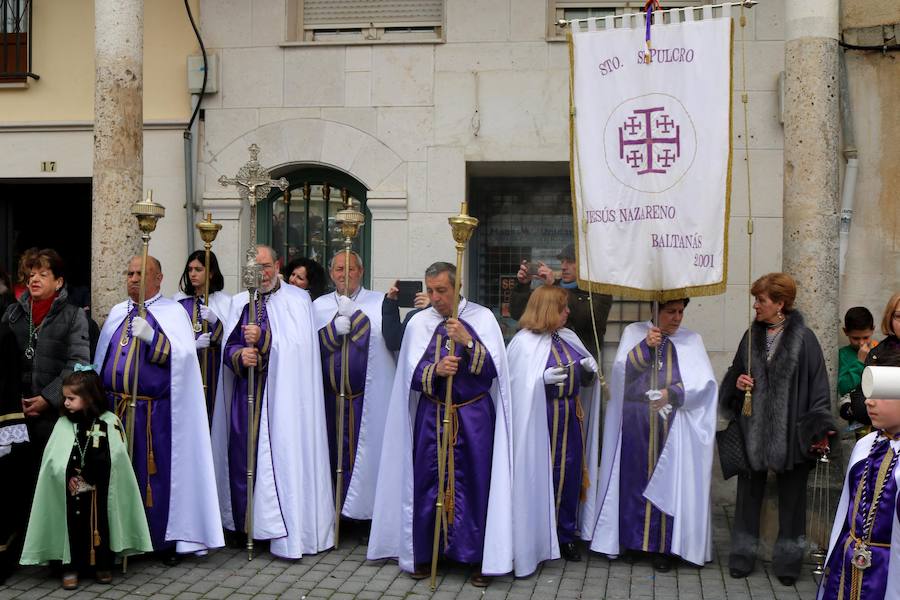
(476, 524)
(292, 498)
(172, 456)
(354, 314)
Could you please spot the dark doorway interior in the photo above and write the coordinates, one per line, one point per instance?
(48, 214)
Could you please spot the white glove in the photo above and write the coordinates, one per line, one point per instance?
(664, 411)
(141, 329)
(346, 306)
(202, 341)
(589, 364)
(653, 395)
(555, 375)
(207, 314)
(341, 325)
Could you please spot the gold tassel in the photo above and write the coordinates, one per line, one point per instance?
(151, 463)
(747, 409)
(585, 482)
(149, 501)
(95, 520)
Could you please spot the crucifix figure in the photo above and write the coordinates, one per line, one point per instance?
(253, 182)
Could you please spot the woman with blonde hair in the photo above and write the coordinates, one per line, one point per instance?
(785, 424)
(555, 430)
(890, 327)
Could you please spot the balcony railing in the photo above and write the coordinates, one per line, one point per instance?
(16, 41)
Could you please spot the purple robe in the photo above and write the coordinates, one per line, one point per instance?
(237, 423)
(469, 474)
(331, 347)
(565, 422)
(209, 368)
(643, 527)
(840, 572)
(152, 456)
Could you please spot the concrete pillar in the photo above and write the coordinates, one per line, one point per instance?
(118, 146)
(811, 165)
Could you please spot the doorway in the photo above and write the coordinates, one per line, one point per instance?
(48, 214)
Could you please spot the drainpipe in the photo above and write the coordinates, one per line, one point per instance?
(850, 169)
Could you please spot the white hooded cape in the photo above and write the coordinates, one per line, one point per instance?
(194, 521)
(392, 534)
(219, 302)
(380, 367)
(860, 452)
(680, 485)
(293, 502)
(534, 512)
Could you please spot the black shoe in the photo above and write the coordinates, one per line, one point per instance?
(787, 580)
(422, 571)
(737, 573)
(662, 563)
(170, 559)
(570, 552)
(235, 539)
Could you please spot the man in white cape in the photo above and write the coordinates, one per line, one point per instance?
(479, 473)
(674, 515)
(535, 510)
(354, 319)
(293, 505)
(172, 457)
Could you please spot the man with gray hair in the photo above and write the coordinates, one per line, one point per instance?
(476, 514)
(292, 501)
(358, 366)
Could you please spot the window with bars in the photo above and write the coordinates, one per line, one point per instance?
(15, 42)
(583, 9)
(365, 21)
(525, 218)
(300, 222)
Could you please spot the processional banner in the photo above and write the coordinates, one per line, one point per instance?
(651, 156)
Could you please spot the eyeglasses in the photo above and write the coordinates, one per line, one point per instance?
(896, 316)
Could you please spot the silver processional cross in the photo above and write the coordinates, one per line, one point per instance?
(253, 183)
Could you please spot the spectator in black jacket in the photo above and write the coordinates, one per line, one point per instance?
(579, 300)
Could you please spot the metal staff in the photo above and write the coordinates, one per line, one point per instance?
(252, 182)
(462, 226)
(147, 213)
(349, 220)
(208, 231)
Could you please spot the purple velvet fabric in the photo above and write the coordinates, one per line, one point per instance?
(839, 570)
(330, 345)
(472, 449)
(643, 527)
(563, 401)
(154, 383)
(238, 411)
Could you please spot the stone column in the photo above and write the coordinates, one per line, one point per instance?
(118, 146)
(811, 165)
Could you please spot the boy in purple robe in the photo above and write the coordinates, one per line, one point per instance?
(864, 558)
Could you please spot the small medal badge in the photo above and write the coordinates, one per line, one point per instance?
(447, 345)
(29, 352)
(862, 557)
(197, 327)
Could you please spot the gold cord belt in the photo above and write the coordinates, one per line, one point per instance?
(123, 399)
(453, 417)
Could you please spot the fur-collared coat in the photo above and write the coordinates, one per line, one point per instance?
(791, 397)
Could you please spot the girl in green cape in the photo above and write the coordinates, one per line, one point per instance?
(87, 507)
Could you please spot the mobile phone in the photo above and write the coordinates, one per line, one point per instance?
(407, 295)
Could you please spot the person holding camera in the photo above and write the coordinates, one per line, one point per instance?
(579, 301)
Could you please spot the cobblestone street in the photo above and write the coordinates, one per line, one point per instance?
(345, 574)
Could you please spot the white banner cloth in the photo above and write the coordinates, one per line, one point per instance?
(651, 158)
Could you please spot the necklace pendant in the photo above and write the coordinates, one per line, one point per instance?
(197, 327)
(29, 352)
(862, 557)
(124, 342)
(447, 345)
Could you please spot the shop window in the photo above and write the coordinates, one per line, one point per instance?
(525, 218)
(300, 222)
